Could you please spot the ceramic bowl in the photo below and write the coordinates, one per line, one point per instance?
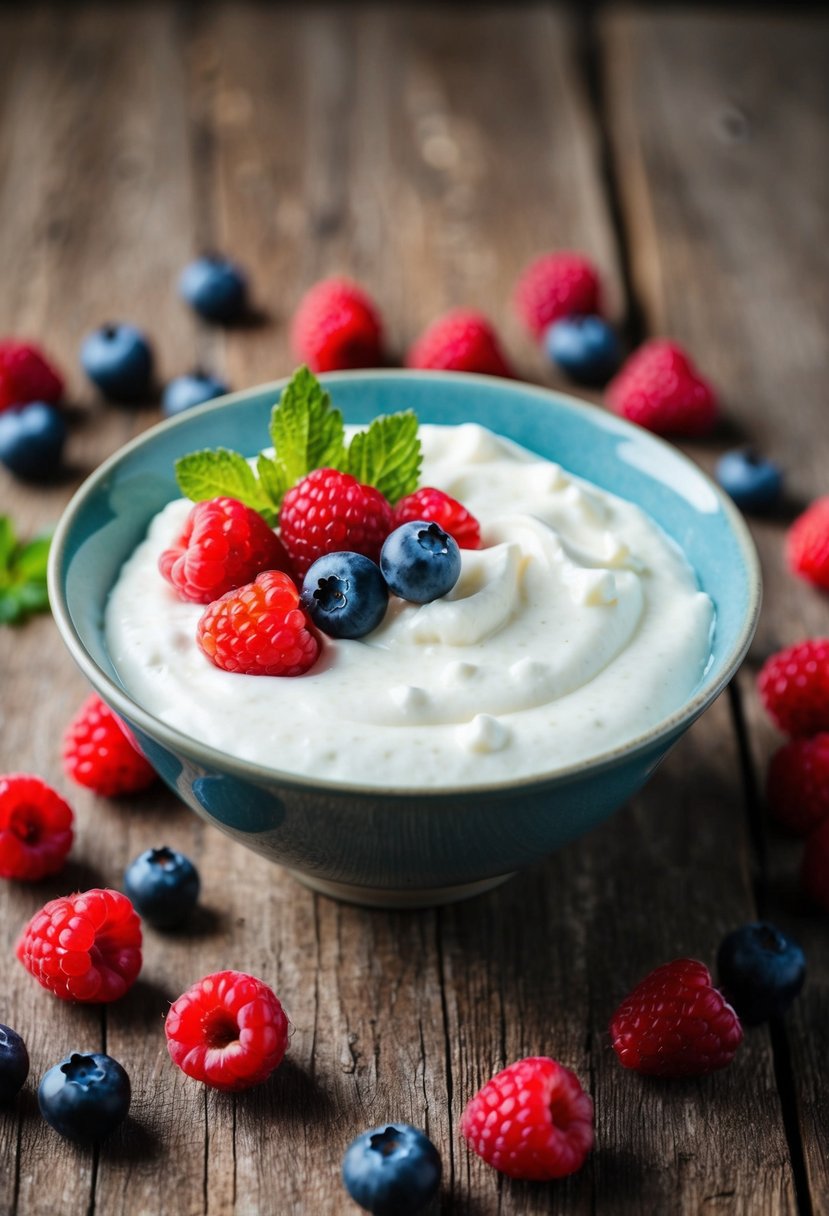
(405, 847)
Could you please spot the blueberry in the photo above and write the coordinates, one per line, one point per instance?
(393, 1170)
(345, 595)
(14, 1063)
(164, 886)
(85, 1097)
(31, 440)
(586, 348)
(761, 971)
(215, 287)
(119, 361)
(420, 562)
(751, 480)
(184, 392)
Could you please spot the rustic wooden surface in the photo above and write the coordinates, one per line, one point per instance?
(429, 152)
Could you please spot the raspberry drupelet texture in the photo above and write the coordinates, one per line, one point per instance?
(556, 285)
(224, 545)
(337, 326)
(794, 687)
(35, 828)
(460, 341)
(259, 630)
(26, 375)
(660, 389)
(437, 507)
(533, 1120)
(332, 512)
(98, 753)
(84, 947)
(807, 544)
(229, 1030)
(797, 787)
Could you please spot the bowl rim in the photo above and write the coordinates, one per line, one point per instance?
(212, 758)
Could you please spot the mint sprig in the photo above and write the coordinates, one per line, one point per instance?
(306, 431)
(387, 455)
(22, 575)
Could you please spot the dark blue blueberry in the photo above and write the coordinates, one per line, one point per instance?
(392, 1171)
(85, 1097)
(193, 389)
(215, 287)
(586, 348)
(164, 886)
(119, 361)
(14, 1063)
(32, 439)
(345, 595)
(420, 562)
(761, 971)
(751, 480)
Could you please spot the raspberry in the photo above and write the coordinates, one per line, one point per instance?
(807, 544)
(337, 326)
(84, 947)
(797, 786)
(659, 388)
(25, 375)
(556, 285)
(676, 1024)
(533, 1120)
(449, 514)
(794, 687)
(98, 753)
(35, 828)
(224, 545)
(331, 512)
(814, 874)
(460, 341)
(259, 630)
(229, 1030)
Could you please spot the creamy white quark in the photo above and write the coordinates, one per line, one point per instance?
(575, 628)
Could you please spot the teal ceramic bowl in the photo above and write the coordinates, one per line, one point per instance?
(411, 847)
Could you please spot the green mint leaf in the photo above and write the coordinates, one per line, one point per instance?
(8, 541)
(22, 575)
(307, 432)
(272, 478)
(31, 560)
(387, 455)
(206, 474)
(10, 612)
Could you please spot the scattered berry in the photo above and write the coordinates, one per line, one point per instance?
(676, 1024)
(794, 687)
(98, 753)
(557, 285)
(215, 287)
(85, 1097)
(533, 1120)
(337, 326)
(259, 629)
(585, 348)
(35, 828)
(14, 1064)
(393, 1170)
(164, 886)
(659, 389)
(798, 783)
(760, 971)
(460, 341)
(26, 375)
(420, 562)
(754, 482)
(328, 512)
(345, 595)
(443, 510)
(184, 392)
(84, 947)
(807, 544)
(814, 875)
(118, 360)
(31, 440)
(223, 546)
(228, 1030)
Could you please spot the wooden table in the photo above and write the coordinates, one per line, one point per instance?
(430, 152)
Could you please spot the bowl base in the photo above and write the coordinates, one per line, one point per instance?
(382, 897)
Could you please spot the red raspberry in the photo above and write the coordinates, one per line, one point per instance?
(224, 545)
(794, 687)
(35, 828)
(84, 947)
(259, 630)
(26, 375)
(228, 1030)
(328, 512)
(676, 1024)
(659, 388)
(98, 753)
(556, 285)
(451, 515)
(532, 1120)
(807, 544)
(460, 341)
(814, 875)
(337, 326)
(798, 783)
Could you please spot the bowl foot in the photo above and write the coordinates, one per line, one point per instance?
(381, 897)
